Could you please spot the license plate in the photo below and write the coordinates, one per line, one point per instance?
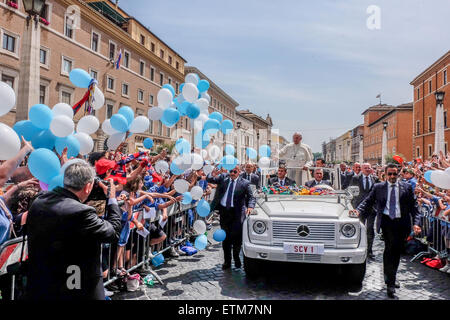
(303, 248)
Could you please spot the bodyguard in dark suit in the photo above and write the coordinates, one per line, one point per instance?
(64, 240)
(234, 199)
(346, 176)
(253, 178)
(365, 181)
(393, 203)
(318, 179)
(281, 179)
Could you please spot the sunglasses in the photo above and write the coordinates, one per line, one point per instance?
(392, 174)
(233, 171)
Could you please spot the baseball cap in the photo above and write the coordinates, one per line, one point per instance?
(103, 165)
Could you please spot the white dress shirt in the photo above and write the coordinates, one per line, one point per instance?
(282, 182)
(223, 202)
(397, 199)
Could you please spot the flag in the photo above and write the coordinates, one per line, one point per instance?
(119, 58)
(378, 96)
(80, 103)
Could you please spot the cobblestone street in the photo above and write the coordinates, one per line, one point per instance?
(201, 277)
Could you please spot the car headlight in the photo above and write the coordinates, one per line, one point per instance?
(348, 230)
(259, 227)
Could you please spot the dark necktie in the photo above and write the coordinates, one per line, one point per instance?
(282, 182)
(248, 177)
(230, 194)
(367, 183)
(392, 203)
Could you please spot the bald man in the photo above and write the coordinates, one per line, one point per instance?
(298, 155)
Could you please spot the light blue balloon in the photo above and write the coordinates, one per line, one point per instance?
(148, 143)
(183, 146)
(203, 208)
(201, 242)
(229, 162)
(264, 151)
(212, 125)
(119, 122)
(26, 129)
(226, 126)
(44, 139)
(251, 153)
(202, 139)
(187, 198)
(80, 78)
(219, 235)
(181, 87)
(171, 89)
(193, 111)
(183, 108)
(128, 113)
(170, 117)
(72, 144)
(41, 116)
(44, 165)
(174, 169)
(229, 149)
(427, 176)
(203, 86)
(57, 181)
(216, 115)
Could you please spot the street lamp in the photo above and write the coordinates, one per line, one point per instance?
(385, 124)
(439, 135)
(384, 144)
(33, 8)
(439, 96)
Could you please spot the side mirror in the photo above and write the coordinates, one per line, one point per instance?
(353, 190)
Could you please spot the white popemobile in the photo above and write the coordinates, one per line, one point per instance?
(306, 229)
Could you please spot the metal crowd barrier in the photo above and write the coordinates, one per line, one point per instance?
(435, 231)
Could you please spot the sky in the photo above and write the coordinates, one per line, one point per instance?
(314, 66)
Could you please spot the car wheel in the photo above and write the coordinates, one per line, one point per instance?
(251, 268)
(355, 273)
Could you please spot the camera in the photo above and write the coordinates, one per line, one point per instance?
(97, 192)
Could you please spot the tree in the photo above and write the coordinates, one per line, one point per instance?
(317, 155)
(169, 147)
(390, 157)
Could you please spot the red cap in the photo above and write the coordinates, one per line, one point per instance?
(398, 159)
(103, 165)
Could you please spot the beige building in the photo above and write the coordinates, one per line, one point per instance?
(245, 136)
(89, 35)
(344, 147)
(262, 128)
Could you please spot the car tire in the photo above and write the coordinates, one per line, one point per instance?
(251, 268)
(355, 273)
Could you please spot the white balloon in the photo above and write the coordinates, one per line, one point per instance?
(214, 152)
(181, 185)
(203, 118)
(207, 169)
(199, 226)
(155, 113)
(107, 128)
(62, 109)
(197, 161)
(191, 78)
(264, 162)
(10, 142)
(115, 140)
(447, 171)
(139, 125)
(202, 103)
(88, 124)
(61, 126)
(7, 98)
(440, 179)
(184, 161)
(190, 92)
(86, 142)
(196, 192)
(206, 96)
(161, 166)
(165, 98)
(204, 153)
(99, 99)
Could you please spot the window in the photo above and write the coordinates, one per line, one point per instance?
(444, 77)
(125, 89)
(111, 83)
(393, 149)
(8, 80)
(150, 127)
(417, 128)
(152, 74)
(161, 79)
(67, 65)
(112, 50)
(150, 100)
(109, 110)
(9, 43)
(430, 127)
(170, 80)
(142, 68)
(160, 129)
(66, 97)
(161, 54)
(43, 56)
(445, 148)
(177, 86)
(186, 123)
(152, 47)
(177, 65)
(46, 12)
(430, 150)
(170, 60)
(140, 95)
(418, 152)
(94, 74)
(418, 93)
(95, 41)
(168, 132)
(429, 86)
(68, 27)
(126, 59)
(142, 39)
(42, 90)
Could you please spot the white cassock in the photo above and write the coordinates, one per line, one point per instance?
(297, 155)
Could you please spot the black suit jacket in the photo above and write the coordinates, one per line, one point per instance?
(377, 199)
(242, 199)
(254, 178)
(357, 180)
(287, 181)
(63, 232)
(346, 177)
(312, 183)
